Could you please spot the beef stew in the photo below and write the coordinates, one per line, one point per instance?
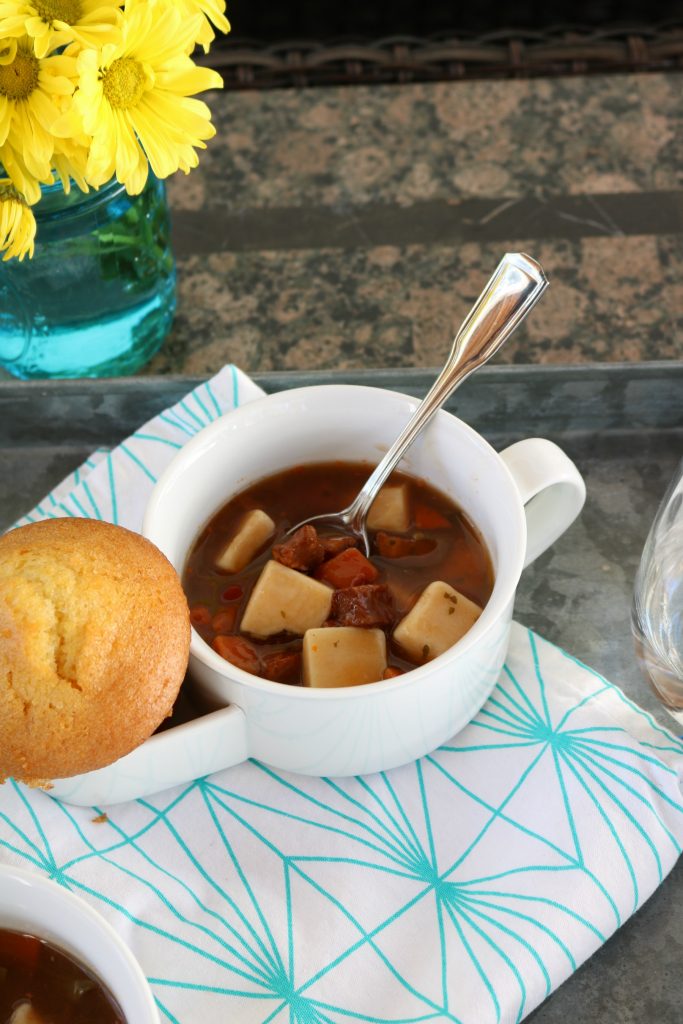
(40, 984)
(311, 609)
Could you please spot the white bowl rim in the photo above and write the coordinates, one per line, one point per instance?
(42, 883)
(503, 593)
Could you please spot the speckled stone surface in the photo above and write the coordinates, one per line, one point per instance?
(354, 226)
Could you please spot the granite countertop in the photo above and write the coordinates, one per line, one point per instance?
(353, 227)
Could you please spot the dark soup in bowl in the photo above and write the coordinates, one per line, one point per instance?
(40, 984)
(311, 609)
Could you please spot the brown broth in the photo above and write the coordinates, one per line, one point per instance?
(59, 989)
(458, 557)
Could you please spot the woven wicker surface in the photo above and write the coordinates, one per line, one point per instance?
(513, 52)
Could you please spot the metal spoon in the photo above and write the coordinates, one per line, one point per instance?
(516, 285)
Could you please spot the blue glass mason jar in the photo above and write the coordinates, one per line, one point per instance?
(98, 297)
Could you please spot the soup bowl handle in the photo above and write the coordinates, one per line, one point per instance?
(200, 747)
(551, 488)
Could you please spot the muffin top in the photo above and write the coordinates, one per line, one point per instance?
(94, 644)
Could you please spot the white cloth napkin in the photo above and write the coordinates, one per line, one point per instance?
(464, 887)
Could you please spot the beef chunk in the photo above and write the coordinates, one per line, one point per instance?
(282, 666)
(388, 545)
(302, 551)
(368, 606)
(335, 545)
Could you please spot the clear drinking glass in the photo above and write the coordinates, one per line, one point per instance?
(657, 613)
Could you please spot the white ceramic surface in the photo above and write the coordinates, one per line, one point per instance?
(361, 729)
(521, 500)
(35, 904)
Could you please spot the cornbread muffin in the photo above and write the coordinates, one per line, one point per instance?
(94, 643)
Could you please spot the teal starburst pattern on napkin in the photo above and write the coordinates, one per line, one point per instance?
(464, 887)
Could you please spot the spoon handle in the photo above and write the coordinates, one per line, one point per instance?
(515, 287)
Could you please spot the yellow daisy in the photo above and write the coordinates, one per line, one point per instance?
(17, 223)
(133, 98)
(54, 23)
(212, 11)
(30, 91)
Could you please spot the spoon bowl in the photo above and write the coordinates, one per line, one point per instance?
(514, 288)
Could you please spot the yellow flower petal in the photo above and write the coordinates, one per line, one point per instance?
(69, 161)
(12, 26)
(5, 119)
(191, 117)
(190, 80)
(17, 224)
(157, 144)
(44, 111)
(213, 11)
(55, 23)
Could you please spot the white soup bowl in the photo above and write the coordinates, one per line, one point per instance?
(520, 500)
(36, 905)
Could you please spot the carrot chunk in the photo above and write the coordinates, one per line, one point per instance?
(427, 518)
(224, 620)
(348, 569)
(391, 672)
(237, 651)
(389, 545)
(200, 615)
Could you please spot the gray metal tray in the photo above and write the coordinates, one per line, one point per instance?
(621, 424)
